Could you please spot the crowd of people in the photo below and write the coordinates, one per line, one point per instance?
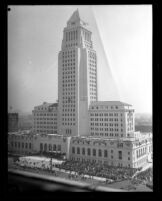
(98, 170)
(88, 171)
(144, 177)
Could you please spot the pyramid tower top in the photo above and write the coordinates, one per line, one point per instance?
(75, 19)
(75, 16)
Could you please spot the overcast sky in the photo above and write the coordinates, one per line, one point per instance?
(122, 38)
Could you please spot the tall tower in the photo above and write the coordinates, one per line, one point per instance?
(77, 77)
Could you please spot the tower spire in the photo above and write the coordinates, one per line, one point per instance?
(75, 19)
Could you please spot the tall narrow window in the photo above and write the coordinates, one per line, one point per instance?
(105, 153)
(76, 34)
(41, 147)
(83, 151)
(89, 152)
(66, 36)
(99, 152)
(78, 150)
(54, 147)
(71, 35)
(59, 147)
(94, 152)
(49, 147)
(120, 155)
(73, 150)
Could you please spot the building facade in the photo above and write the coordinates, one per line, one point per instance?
(45, 120)
(125, 152)
(111, 119)
(20, 143)
(77, 78)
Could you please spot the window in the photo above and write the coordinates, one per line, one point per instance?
(83, 151)
(100, 153)
(78, 150)
(59, 147)
(45, 147)
(50, 147)
(120, 155)
(41, 147)
(89, 151)
(105, 153)
(54, 147)
(94, 152)
(73, 150)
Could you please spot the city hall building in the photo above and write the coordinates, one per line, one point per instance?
(80, 126)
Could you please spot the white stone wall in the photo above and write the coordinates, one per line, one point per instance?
(110, 145)
(103, 112)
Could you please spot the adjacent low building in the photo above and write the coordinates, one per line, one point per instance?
(45, 118)
(111, 119)
(126, 152)
(123, 152)
(20, 143)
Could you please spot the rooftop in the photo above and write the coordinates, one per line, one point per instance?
(106, 139)
(110, 103)
(48, 104)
